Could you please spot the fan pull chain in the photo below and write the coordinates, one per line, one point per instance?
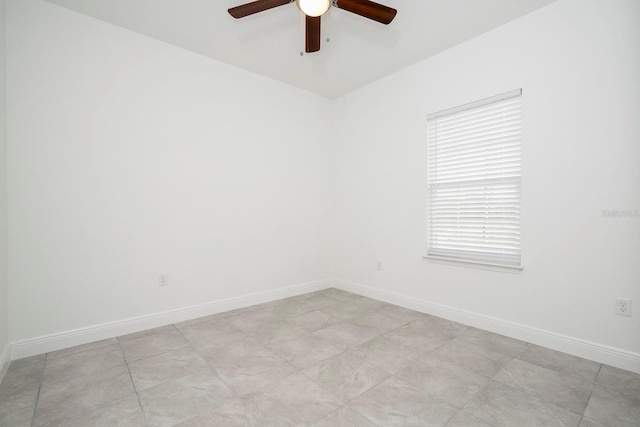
(303, 30)
(326, 24)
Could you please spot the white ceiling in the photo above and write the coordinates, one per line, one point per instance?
(359, 52)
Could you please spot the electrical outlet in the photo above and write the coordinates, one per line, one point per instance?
(164, 280)
(623, 307)
(379, 266)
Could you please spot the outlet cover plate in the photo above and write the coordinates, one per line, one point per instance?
(623, 307)
(164, 280)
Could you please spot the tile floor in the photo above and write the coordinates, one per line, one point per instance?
(328, 358)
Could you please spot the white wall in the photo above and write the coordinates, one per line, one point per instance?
(4, 317)
(130, 158)
(578, 62)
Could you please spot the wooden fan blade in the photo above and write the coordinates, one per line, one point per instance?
(368, 9)
(312, 42)
(255, 7)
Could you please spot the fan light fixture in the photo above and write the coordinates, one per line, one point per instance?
(314, 7)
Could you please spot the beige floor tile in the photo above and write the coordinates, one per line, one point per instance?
(562, 362)
(18, 363)
(378, 320)
(163, 341)
(463, 419)
(294, 401)
(305, 351)
(619, 380)
(502, 405)
(288, 307)
(400, 313)
(318, 301)
(82, 395)
(171, 366)
(124, 412)
(21, 378)
(277, 331)
(451, 383)
(387, 354)
(233, 414)
(177, 401)
(347, 334)
(395, 402)
(345, 416)
(479, 359)
(314, 321)
(421, 337)
(146, 333)
(254, 372)
(81, 348)
(17, 410)
(586, 422)
(350, 308)
(494, 342)
(209, 328)
(560, 389)
(252, 319)
(224, 349)
(345, 376)
(442, 326)
(339, 294)
(613, 407)
(65, 368)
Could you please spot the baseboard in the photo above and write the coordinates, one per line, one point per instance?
(66, 339)
(4, 362)
(589, 350)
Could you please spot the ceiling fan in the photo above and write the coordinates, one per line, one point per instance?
(314, 9)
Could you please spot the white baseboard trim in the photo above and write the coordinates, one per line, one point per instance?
(578, 347)
(4, 362)
(58, 341)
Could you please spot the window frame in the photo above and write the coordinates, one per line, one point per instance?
(482, 257)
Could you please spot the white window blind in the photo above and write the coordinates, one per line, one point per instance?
(474, 170)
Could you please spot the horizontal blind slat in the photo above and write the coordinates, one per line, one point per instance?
(450, 133)
(481, 135)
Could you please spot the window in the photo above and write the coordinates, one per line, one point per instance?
(474, 171)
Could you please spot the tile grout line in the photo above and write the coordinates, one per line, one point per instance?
(135, 389)
(35, 406)
(188, 344)
(80, 351)
(593, 384)
(211, 366)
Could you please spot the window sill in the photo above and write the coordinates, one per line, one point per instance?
(476, 265)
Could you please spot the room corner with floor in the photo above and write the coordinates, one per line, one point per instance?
(4, 329)
(204, 231)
